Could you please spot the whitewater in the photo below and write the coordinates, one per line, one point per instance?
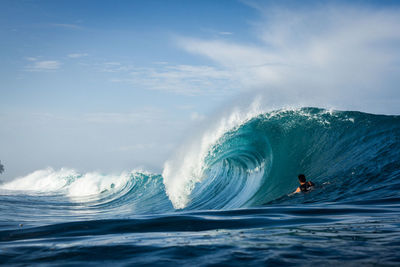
(224, 198)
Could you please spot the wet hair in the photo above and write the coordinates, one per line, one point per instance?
(302, 178)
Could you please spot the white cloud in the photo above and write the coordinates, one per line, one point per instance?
(113, 63)
(46, 65)
(228, 54)
(161, 63)
(78, 55)
(183, 79)
(67, 26)
(329, 54)
(113, 67)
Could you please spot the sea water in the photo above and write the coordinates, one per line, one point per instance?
(225, 199)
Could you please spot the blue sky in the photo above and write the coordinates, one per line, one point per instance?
(114, 85)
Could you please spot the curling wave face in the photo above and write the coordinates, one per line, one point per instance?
(349, 155)
(246, 161)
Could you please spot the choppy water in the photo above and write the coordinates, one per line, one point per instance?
(224, 199)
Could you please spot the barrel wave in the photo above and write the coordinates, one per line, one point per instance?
(349, 155)
(224, 199)
(254, 161)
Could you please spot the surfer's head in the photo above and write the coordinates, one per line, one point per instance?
(302, 178)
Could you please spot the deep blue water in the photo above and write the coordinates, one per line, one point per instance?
(224, 200)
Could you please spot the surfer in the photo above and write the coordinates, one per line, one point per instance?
(304, 185)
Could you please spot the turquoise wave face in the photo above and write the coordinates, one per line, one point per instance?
(350, 156)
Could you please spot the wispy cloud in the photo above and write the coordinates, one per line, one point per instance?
(182, 79)
(31, 58)
(113, 67)
(329, 54)
(47, 65)
(78, 55)
(67, 26)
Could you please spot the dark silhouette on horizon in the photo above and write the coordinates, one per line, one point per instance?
(1, 168)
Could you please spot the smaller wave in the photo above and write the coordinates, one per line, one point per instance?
(138, 191)
(42, 181)
(67, 181)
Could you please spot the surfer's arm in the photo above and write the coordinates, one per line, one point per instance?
(296, 191)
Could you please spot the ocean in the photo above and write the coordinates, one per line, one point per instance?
(224, 199)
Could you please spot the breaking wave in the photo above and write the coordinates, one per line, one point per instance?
(248, 159)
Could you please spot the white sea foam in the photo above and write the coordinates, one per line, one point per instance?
(68, 182)
(47, 180)
(92, 184)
